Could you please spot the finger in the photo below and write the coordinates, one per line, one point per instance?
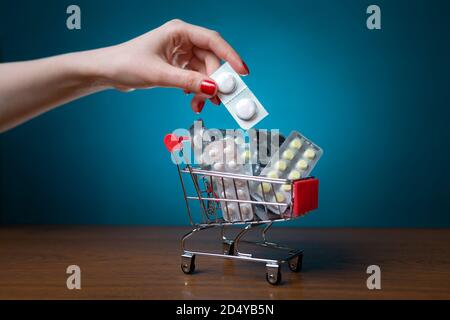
(215, 100)
(197, 103)
(197, 65)
(188, 80)
(211, 63)
(211, 40)
(210, 60)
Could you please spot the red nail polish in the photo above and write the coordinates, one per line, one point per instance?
(199, 107)
(246, 68)
(216, 100)
(186, 91)
(208, 87)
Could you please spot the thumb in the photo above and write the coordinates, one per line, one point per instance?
(189, 80)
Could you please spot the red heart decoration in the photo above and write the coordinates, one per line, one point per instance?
(173, 142)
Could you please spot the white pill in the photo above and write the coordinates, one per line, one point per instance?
(240, 183)
(228, 140)
(245, 211)
(218, 166)
(241, 194)
(229, 150)
(213, 152)
(226, 82)
(227, 195)
(310, 153)
(286, 187)
(229, 209)
(245, 109)
(232, 164)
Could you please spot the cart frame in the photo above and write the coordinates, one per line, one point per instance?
(205, 181)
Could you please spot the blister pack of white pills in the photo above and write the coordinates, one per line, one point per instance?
(255, 147)
(234, 211)
(237, 97)
(296, 159)
(224, 154)
(200, 138)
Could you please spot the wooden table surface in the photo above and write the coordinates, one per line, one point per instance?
(144, 263)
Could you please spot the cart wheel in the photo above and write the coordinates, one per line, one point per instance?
(273, 275)
(228, 247)
(296, 263)
(188, 264)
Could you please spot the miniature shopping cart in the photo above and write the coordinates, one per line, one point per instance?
(304, 198)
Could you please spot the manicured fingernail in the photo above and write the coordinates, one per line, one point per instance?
(186, 91)
(246, 68)
(199, 107)
(208, 87)
(216, 100)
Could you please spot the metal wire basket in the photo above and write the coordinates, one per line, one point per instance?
(214, 204)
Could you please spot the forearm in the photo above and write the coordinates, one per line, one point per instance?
(32, 87)
(175, 55)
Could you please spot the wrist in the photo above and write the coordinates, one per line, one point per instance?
(103, 68)
(89, 69)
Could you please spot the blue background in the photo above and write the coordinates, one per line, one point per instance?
(377, 102)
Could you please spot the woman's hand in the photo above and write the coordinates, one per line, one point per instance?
(177, 54)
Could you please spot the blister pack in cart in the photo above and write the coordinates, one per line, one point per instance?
(255, 146)
(234, 151)
(224, 157)
(296, 159)
(263, 145)
(222, 152)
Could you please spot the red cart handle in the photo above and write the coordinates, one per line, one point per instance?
(306, 195)
(174, 142)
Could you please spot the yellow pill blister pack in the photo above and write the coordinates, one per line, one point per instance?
(295, 159)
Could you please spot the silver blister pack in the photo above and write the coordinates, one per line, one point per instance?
(296, 159)
(224, 154)
(238, 98)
